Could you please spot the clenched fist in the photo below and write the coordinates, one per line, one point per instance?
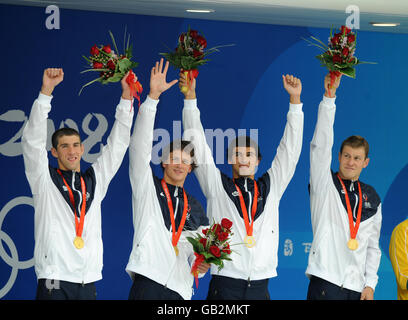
(51, 78)
(293, 86)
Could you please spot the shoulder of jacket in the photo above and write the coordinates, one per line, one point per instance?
(370, 192)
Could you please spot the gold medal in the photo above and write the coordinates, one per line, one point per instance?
(175, 235)
(352, 244)
(79, 242)
(176, 250)
(249, 241)
(79, 222)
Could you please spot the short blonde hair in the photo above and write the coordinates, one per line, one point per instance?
(356, 142)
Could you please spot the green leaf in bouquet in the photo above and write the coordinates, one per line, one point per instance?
(116, 77)
(133, 65)
(215, 49)
(225, 256)
(207, 256)
(364, 62)
(318, 43)
(200, 247)
(349, 71)
(90, 82)
(217, 262)
(196, 244)
(187, 62)
(114, 42)
(91, 70)
(87, 59)
(124, 65)
(128, 51)
(174, 59)
(321, 58)
(191, 240)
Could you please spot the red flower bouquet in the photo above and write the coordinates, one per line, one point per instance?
(213, 246)
(338, 55)
(112, 66)
(190, 54)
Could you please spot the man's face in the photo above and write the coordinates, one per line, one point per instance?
(69, 152)
(352, 162)
(244, 161)
(177, 167)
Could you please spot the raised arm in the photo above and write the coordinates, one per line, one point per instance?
(288, 152)
(207, 173)
(34, 137)
(140, 148)
(322, 142)
(114, 151)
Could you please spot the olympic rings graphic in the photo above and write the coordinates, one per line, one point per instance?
(12, 261)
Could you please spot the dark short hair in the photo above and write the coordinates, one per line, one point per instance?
(182, 145)
(63, 132)
(243, 141)
(356, 142)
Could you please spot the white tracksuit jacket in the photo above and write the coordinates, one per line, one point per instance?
(152, 253)
(54, 225)
(259, 262)
(329, 257)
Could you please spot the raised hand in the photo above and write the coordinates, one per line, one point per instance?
(126, 88)
(51, 78)
(190, 84)
(158, 83)
(330, 90)
(293, 86)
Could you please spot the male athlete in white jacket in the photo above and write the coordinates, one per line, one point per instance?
(67, 201)
(252, 205)
(346, 214)
(163, 212)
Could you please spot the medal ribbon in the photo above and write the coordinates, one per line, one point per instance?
(175, 236)
(249, 227)
(79, 222)
(353, 228)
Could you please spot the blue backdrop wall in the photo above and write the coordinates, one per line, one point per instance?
(240, 88)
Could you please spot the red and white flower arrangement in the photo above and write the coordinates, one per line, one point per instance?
(113, 66)
(189, 54)
(212, 246)
(338, 55)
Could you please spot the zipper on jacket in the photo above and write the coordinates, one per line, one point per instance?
(249, 217)
(355, 207)
(250, 200)
(177, 204)
(79, 193)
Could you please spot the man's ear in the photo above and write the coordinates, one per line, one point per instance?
(366, 161)
(54, 152)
